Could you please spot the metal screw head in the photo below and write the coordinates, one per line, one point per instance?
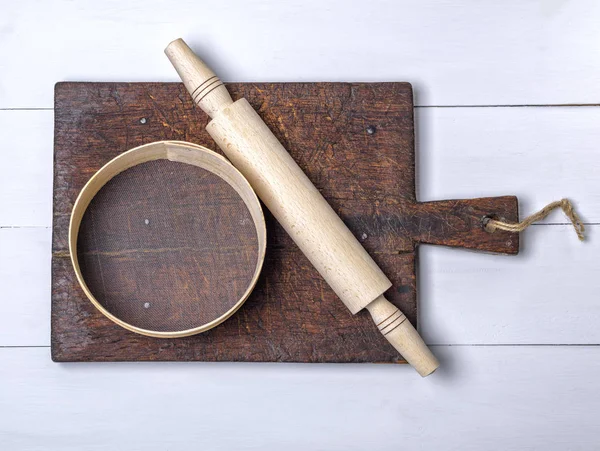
(371, 130)
(143, 120)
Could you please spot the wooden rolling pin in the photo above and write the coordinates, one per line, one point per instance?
(298, 205)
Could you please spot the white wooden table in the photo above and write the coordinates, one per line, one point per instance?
(507, 97)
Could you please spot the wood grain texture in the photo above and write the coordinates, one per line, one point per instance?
(292, 315)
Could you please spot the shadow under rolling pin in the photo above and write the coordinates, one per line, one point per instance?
(298, 206)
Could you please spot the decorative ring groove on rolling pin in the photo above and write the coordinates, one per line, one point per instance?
(396, 321)
(383, 321)
(397, 326)
(209, 91)
(202, 84)
(202, 92)
(394, 316)
(205, 87)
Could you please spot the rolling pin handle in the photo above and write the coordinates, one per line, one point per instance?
(401, 334)
(207, 90)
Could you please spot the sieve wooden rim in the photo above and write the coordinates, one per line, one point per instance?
(182, 152)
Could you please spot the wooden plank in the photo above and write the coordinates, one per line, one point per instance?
(508, 398)
(26, 169)
(455, 52)
(456, 303)
(548, 294)
(540, 154)
(25, 286)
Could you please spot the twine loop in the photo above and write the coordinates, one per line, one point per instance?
(492, 224)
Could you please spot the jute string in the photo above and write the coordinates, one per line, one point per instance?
(565, 204)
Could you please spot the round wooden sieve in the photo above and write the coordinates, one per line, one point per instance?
(167, 239)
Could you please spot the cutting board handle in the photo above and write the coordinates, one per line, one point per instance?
(402, 335)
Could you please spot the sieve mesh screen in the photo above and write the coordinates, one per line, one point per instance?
(167, 246)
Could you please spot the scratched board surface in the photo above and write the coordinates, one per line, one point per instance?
(355, 142)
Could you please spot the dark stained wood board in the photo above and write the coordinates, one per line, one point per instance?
(356, 143)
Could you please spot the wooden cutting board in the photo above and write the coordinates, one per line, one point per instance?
(292, 315)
